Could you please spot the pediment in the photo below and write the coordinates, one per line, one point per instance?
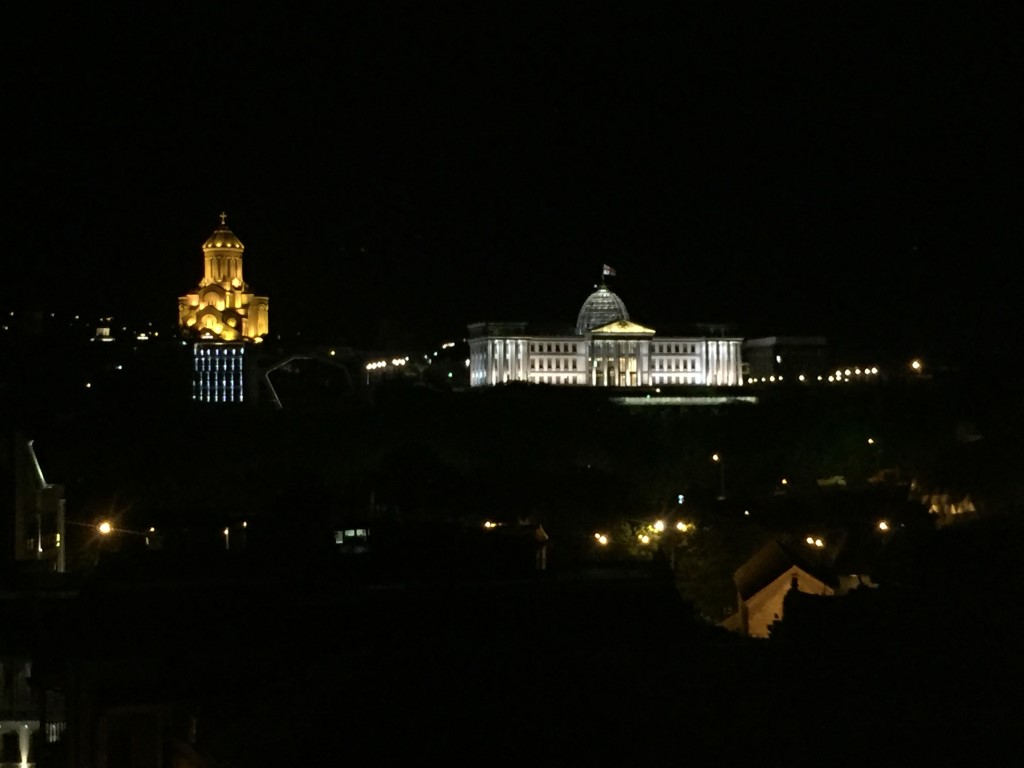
(624, 327)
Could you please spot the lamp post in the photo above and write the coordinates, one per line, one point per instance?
(721, 475)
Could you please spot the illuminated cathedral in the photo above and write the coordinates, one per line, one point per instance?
(224, 318)
(222, 307)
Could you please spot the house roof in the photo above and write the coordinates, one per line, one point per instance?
(770, 562)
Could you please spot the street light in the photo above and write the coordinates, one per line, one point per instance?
(721, 475)
(107, 530)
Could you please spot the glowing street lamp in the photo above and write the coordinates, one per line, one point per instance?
(721, 475)
(107, 530)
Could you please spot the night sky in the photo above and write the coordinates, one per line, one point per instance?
(397, 170)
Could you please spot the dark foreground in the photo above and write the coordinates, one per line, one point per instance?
(253, 665)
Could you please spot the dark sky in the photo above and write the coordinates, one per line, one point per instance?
(820, 168)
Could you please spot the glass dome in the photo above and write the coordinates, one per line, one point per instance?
(600, 308)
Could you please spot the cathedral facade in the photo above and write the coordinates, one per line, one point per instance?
(605, 349)
(222, 307)
(224, 318)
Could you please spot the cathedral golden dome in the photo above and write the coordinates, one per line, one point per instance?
(223, 237)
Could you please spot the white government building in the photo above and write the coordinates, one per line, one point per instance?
(606, 349)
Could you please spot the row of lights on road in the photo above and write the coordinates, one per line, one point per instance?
(106, 528)
(647, 535)
(398, 362)
(840, 375)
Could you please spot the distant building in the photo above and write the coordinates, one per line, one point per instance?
(218, 372)
(20, 733)
(225, 317)
(763, 581)
(35, 531)
(604, 349)
(222, 307)
(786, 356)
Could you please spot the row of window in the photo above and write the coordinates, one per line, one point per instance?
(676, 380)
(559, 379)
(674, 365)
(559, 364)
(207, 351)
(573, 348)
(554, 347)
(580, 380)
(682, 349)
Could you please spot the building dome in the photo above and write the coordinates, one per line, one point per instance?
(223, 237)
(600, 308)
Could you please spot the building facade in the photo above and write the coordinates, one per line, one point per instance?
(604, 349)
(223, 307)
(787, 357)
(38, 536)
(218, 371)
(223, 317)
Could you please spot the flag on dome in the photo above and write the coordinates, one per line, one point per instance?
(606, 271)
